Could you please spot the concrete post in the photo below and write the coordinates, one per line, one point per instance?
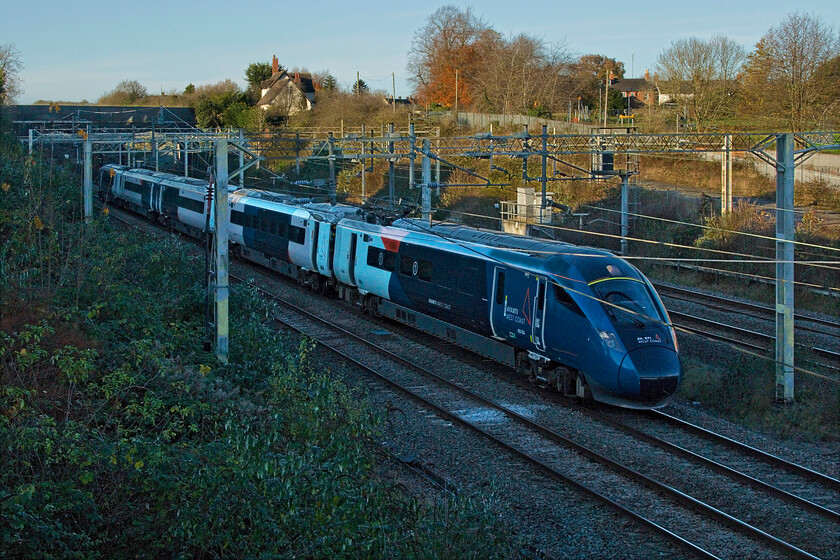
(784, 267)
(411, 157)
(221, 250)
(31, 139)
(437, 164)
(726, 176)
(241, 159)
(155, 147)
(544, 178)
(426, 194)
(186, 156)
(330, 141)
(364, 163)
(87, 186)
(390, 167)
(625, 198)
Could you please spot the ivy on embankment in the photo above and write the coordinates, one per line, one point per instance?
(119, 436)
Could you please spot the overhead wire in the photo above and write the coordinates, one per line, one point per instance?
(549, 276)
(666, 259)
(711, 228)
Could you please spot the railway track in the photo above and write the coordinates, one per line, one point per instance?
(803, 322)
(556, 454)
(816, 337)
(705, 530)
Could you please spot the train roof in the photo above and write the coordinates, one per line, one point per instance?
(593, 264)
(491, 238)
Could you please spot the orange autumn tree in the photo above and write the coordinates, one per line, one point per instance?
(445, 44)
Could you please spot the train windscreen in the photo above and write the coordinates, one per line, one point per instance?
(626, 301)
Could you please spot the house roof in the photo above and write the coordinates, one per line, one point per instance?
(301, 80)
(633, 84)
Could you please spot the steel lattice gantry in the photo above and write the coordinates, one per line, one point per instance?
(781, 150)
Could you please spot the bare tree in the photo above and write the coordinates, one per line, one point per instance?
(127, 92)
(701, 74)
(10, 68)
(781, 70)
(444, 46)
(520, 75)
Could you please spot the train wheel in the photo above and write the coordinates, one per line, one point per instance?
(369, 306)
(533, 372)
(523, 364)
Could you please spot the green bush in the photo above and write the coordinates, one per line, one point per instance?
(119, 436)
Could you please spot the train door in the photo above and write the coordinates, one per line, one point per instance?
(498, 303)
(353, 241)
(538, 323)
(156, 195)
(326, 245)
(313, 258)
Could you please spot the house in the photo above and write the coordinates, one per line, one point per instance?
(640, 91)
(668, 95)
(287, 93)
(404, 102)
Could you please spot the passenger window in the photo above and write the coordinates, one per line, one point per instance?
(406, 264)
(424, 271)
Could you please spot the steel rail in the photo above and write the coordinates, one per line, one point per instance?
(452, 417)
(694, 296)
(632, 474)
(755, 452)
(719, 467)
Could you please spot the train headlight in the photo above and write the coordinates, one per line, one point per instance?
(610, 339)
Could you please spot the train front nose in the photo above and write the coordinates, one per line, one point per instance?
(651, 372)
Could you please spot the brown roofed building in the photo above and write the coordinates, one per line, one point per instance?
(287, 93)
(641, 91)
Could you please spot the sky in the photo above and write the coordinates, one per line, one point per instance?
(81, 50)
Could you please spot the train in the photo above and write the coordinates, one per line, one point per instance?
(579, 319)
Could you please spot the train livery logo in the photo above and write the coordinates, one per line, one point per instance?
(649, 339)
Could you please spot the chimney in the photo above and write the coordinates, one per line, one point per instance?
(297, 77)
(275, 65)
(647, 75)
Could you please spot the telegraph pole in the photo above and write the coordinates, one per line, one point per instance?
(606, 97)
(456, 96)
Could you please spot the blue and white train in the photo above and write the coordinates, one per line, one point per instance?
(579, 319)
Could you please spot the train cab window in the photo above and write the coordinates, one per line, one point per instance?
(626, 301)
(565, 299)
(236, 217)
(500, 287)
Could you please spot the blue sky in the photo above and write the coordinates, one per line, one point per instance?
(80, 50)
